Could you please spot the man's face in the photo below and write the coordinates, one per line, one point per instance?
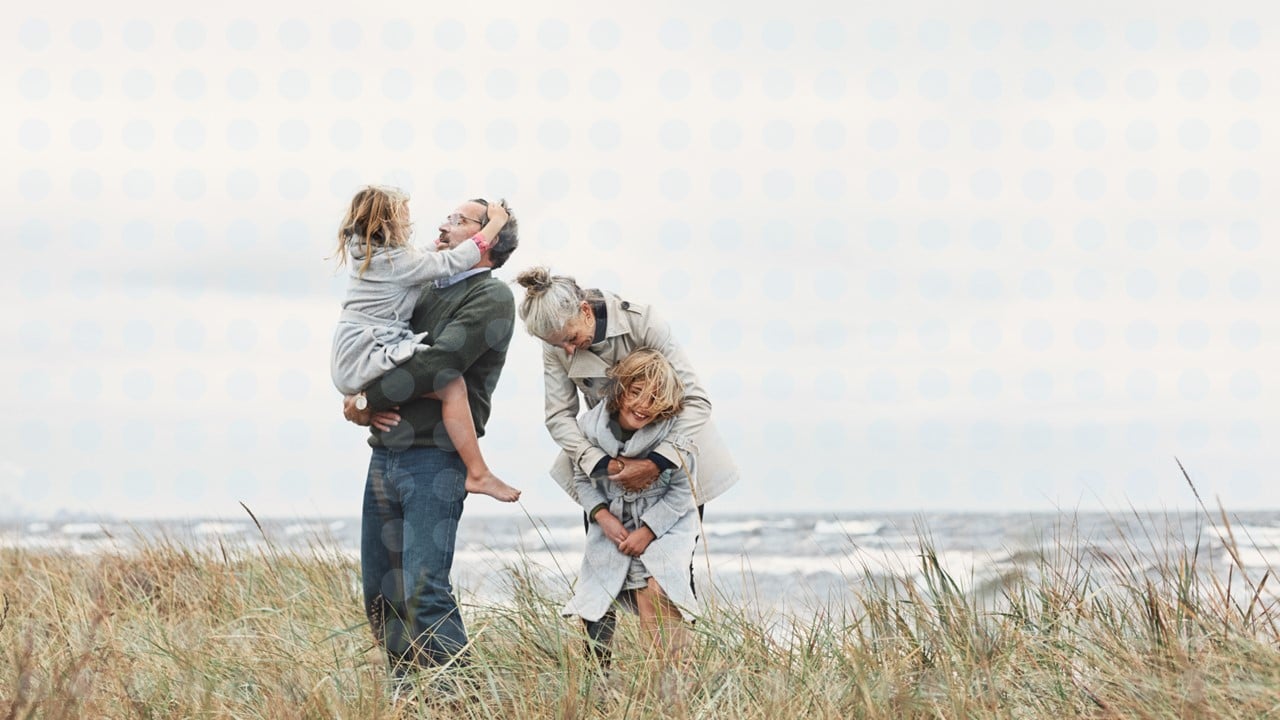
(465, 221)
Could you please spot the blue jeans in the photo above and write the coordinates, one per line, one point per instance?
(412, 504)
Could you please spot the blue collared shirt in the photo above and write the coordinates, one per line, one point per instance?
(455, 279)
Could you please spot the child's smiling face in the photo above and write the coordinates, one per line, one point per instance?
(644, 387)
(635, 410)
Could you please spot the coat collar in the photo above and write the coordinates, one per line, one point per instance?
(586, 364)
(618, 322)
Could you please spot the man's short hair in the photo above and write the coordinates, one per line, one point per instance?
(508, 237)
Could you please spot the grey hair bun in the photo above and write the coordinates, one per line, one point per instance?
(536, 280)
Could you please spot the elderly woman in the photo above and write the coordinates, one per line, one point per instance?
(584, 333)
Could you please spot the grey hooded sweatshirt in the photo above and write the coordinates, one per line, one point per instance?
(373, 334)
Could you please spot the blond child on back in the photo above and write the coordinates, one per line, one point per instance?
(373, 337)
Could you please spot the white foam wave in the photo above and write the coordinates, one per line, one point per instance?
(556, 536)
(316, 528)
(84, 529)
(75, 545)
(42, 542)
(218, 528)
(491, 563)
(741, 527)
(38, 527)
(1261, 536)
(1255, 557)
(963, 566)
(847, 528)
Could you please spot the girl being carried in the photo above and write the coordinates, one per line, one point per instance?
(386, 279)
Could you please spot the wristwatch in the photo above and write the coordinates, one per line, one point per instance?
(362, 402)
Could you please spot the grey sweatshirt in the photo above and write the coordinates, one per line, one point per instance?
(373, 334)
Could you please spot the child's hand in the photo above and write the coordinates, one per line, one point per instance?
(637, 541)
(497, 213)
(612, 527)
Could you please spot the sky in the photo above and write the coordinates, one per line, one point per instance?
(926, 256)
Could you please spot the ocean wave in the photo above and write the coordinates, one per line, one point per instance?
(743, 527)
(847, 528)
(764, 557)
(1260, 536)
(554, 536)
(73, 544)
(963, 566)
(84, 530)
(36, 542)
(541, 561)
(1254, 557)
(218, 528)
(319, 529)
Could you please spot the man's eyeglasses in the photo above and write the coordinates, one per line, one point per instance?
(457, 220)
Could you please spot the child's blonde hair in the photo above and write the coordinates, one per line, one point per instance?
(648, 370)
(379, 216)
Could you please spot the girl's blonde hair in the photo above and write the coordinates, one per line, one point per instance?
(647, 370)
(379, 217)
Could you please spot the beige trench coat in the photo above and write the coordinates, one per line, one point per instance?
(567, 377)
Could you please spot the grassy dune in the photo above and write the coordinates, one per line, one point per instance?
(172, 632)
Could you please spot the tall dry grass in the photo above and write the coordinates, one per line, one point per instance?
(169, 631)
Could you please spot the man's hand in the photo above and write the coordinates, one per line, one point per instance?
(637, 541)
(633, 474)
(611, 526)
(383, 420)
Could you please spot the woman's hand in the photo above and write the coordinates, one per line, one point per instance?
(611, 526)
(633, 474)
(637, 541)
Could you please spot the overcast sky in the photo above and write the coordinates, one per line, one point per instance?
(926, 256)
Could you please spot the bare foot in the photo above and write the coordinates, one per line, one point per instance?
(489, 484)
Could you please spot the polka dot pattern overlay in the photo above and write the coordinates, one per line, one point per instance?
(957, 249)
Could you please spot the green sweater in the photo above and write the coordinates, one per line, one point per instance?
(469, 325)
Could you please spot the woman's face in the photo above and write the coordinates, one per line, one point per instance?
(577, 334)
(635, 407)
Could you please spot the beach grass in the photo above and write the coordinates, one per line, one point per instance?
(170, 631)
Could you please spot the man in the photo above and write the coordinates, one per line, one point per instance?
(416, 484)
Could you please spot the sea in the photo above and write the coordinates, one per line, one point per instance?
(785, 565)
